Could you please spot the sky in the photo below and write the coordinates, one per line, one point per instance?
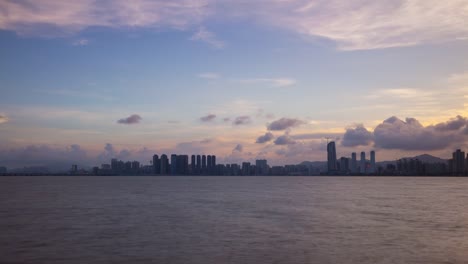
(86, 81)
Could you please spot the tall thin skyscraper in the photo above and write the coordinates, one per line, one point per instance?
(192, 164)
(198, 164)
(372, 162)
(173, 164)
(203, 164)
(362, 165)
(353, 163)
(213, 164)
(331, 157)
(208, 164)
(156, 164)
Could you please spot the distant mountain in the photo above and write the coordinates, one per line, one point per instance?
(426, 158)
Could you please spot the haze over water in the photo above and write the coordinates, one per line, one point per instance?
(233, 220)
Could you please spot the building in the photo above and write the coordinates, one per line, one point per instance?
(245, 168)
(353, 164)
(213, 165)
(164, 165)
(193, 166)
(372, 162)
(173, 164)
(331, 157)
(344, 165)
(458, 162)
(3, 170)
(208, 164)
(362, 163)
(203, 167)
(261, 167)
(156, 164)
(198, 167)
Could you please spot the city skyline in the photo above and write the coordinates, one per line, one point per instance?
(89, 81)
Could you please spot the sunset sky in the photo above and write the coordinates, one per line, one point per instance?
(85, 81)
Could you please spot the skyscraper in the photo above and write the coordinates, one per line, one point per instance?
(208, 164)
(353, 166)
(331, 157)
(198, 170)
(372, 162)
(173, 164)
(344, 165)
(192, 164)
(164, 165)
(213, 164)
(156, 164)
(458, 162)
(362, 165)
(203, 168)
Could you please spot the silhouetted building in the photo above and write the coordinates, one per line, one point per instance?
(331, 157)
(193, 166)
(213, 165)
(203, 169)
(245, 168)
(362, 163)
(182, 165)
(156, 164)
(458, 162)
(372, 162)
(261, 167)
(344, 165)
(3, 170)
(208, 164)
(164, 165)
(353, 164)
(173, 164)
(198, 170)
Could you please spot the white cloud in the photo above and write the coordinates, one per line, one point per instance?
(80, 42)
(208, 37)
(209, 75)
(3, 118)
(352, 24)
(276, 82)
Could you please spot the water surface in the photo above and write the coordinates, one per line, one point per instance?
(233, 220)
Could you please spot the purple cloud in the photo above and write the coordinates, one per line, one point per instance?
(285, 140)
(358, 136)
(208, 118)
(241, 120)
(133, 119)
(265, 138)
(284, 123)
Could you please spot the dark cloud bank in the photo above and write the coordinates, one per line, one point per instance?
(284, 123)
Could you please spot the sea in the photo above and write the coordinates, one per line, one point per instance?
(185, 220)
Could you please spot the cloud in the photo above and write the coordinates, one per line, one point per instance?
(357, 136)
(395, 133)
(284, 123)
(276, 82)
(208, 75)
(3, 119)
(133, 119)
(58, 18)
(284, 140)
(265, 138)
(351, 25)
(453, 124)
(80, 42)
(226, 119)
(238, 148)
(208, 37)
(208, 118)
(241, 120)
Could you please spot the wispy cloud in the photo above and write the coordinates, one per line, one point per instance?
(352, 25)
(208, 37)
(208, 118)
(209, 75)
(80, 42)
(3, 118)
(276, 82)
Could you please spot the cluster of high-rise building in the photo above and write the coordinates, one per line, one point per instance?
(346, 166)
(458, 164)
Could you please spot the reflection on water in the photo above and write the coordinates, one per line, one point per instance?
(233, 220)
